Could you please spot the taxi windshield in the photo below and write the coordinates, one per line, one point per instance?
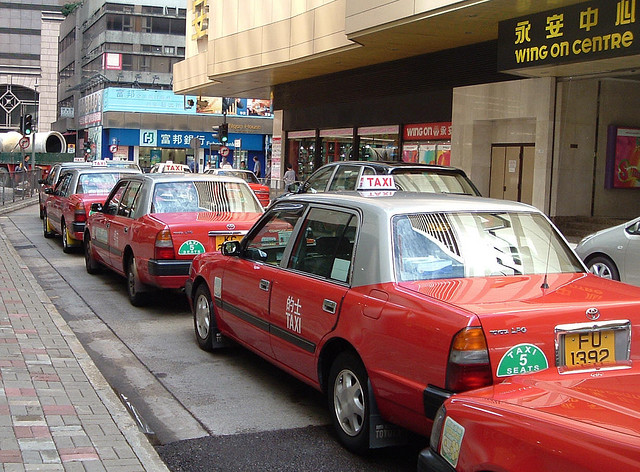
(196, 196)
(454, 245)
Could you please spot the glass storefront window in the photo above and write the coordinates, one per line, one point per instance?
(150, 156)
(301, 152)
(337, 145)
(379, 143)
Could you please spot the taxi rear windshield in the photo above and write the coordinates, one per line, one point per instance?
(196, 196)
(454, 245)
(433, 182)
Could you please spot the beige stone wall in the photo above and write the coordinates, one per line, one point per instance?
(48, 84)
(517, 112)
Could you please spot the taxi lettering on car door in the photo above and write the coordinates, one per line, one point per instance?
(297, 266)
(306, 298)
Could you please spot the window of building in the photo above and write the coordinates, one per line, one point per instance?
(127, 62)
(182, 12)
(336, 145)
(172, 11)
(379, 143)
(169, 50)
(149, 10)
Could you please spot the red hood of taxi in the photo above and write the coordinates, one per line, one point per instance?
(607, 399)
(487, 296)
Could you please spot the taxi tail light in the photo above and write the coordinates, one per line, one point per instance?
(79, 213)
(468, 366)
(164, 245)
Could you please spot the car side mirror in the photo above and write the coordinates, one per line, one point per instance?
(49, 191)
(41, 181)
(96, 207)
(293, 187)
(230, 248)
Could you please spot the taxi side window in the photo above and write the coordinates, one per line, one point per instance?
(112, 205)
(318, 182)
(325, 248)
(270, 241)
(127, 205)
(345, 178)
(62, 188)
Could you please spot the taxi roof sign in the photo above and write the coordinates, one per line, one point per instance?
(173, 168)
(377, 182)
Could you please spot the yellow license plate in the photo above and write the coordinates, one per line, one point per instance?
(589, 347)
(224, 239)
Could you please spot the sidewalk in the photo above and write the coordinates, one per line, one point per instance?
(57, 412)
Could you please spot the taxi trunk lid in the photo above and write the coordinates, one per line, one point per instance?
(529, 328)
(198, 232)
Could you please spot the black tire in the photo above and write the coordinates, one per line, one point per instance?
(46, 229)
(67, 245)
(603, 267)
(41, 207)
(349, 402)
(137, 297)
(204, 318)
(92, 266)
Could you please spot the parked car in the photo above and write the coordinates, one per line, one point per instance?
(392, 304)
(52, 179)
(411, 177)
(261, 191)
(152, 225)
(573, 422)
(614, 253)
(169, 167)
(69, 203)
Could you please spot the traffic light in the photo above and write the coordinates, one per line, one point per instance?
(223, 130)
(26, 125)
(87, 149)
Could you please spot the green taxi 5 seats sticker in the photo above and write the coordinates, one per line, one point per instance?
(522, 359)
(191, 247)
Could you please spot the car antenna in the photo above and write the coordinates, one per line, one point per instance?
(545, 285)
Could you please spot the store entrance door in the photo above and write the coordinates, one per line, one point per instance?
(512, 172)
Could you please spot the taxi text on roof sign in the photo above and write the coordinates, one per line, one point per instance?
(99, 163)
(588, 31)
(376, 182)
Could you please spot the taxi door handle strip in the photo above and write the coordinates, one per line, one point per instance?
(329, 306)
(126, 229)
(265, 285)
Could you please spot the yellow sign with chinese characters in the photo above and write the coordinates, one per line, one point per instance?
(584, 32)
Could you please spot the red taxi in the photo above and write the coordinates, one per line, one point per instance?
(391, 304)
(574, 422)
(261, 191)
(69, 203)
(152, 225)
(51, 180)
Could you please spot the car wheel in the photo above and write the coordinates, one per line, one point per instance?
(67, 242)
(603, 267)
(92, 266)
(136, 296)
(41, 207)
(46, 227)
(349, 401)
(204, 318)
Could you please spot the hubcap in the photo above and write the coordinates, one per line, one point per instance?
(202, 317)
(601, 270)
(348, 401)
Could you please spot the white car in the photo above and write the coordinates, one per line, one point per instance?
(614, 253)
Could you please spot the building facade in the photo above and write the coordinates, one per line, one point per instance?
(28, 62)
(535, 101)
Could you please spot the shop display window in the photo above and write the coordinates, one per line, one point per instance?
(379, 144)
(337, 145)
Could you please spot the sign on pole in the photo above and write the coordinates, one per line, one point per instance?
(224, 151)
(24, 142)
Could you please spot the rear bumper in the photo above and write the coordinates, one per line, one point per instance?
(433, 397)
(168, 268)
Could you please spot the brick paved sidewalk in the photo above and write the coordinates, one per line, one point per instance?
(57, 412)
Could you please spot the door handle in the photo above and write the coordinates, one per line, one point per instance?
(329, 306)
(108, 224)
(264, 285)
(126, 229)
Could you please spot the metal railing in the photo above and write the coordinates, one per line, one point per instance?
(16, 186)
